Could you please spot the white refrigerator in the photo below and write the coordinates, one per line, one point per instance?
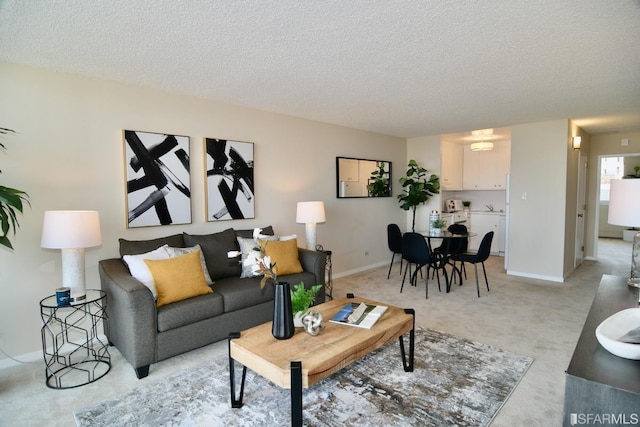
(506, 228)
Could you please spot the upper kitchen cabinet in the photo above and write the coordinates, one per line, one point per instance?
(451, 163)
(486, 170)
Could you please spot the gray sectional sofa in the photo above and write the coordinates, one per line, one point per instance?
(145, 333)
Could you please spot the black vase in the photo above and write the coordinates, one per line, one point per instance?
(282, 328)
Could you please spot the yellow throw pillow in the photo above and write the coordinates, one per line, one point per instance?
(284, 253)
(178, 278)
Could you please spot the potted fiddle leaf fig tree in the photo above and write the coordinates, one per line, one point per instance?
(12, 202)
(417, 189)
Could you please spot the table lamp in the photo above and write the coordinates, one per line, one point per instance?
(624, 209)
(72, 232)
(310, 213)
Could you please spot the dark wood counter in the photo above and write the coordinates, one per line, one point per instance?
(598, 382)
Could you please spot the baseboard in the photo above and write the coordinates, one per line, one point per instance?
(33, 357)
(535, 276)
(360, 270)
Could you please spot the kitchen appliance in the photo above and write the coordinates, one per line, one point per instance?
(453, 205)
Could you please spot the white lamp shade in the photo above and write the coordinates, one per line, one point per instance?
(71, 229)
(310, 212)
(624, 202)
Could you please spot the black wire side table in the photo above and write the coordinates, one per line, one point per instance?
(75, 353)
(329, 270)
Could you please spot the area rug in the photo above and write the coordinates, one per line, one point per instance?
(455, 382)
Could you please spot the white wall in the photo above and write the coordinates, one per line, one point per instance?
(537, 223)
(426, 151)
(69, 155)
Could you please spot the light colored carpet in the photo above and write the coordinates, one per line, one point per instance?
(454, 382)
(529, 317)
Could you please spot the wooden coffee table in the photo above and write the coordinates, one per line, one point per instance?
(304, 360)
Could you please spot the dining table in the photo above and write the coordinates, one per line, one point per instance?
(442, 258)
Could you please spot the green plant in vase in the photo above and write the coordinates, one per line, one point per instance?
(301, 298)
(417, 189)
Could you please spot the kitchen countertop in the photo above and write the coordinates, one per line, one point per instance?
(496, 212)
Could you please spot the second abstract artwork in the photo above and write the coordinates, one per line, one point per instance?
(229, 179)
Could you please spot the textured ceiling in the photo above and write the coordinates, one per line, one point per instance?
(405, 68)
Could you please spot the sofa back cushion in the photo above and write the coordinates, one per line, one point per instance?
(215, 247)
(248, 234)
(136, 247)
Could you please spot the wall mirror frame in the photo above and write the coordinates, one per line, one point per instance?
(362, 178)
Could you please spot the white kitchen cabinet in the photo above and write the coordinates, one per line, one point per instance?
(486, 170)
(451, 164)
(481, 223)
(349, 170)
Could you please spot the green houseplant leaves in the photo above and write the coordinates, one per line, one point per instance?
(417, 189)
(12, 202)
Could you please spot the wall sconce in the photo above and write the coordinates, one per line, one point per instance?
(72, 231)
(575, 142)
(310, 213)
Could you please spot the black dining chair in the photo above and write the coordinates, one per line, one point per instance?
(478, 258)
(394, 240)
(415, 251)
(459, 245)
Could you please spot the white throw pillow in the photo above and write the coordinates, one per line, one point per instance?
(248, 255)
(139, 269)
(174, 252)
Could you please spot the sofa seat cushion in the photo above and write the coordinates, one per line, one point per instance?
(189, 311)
(241, 293)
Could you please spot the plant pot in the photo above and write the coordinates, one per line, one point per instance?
(282, 327)
(297, 318)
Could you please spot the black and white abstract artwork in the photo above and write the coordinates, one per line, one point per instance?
(158, 179)
(229, 180)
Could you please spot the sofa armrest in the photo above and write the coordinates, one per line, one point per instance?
(131, 310)
(316, 263)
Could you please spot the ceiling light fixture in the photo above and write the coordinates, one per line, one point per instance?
(481, 146)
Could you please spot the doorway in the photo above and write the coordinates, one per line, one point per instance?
(612, 166)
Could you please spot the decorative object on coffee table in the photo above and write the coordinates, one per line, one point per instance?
(282, 327)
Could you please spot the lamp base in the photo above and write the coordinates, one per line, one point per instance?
(73, 275)
(634, 278)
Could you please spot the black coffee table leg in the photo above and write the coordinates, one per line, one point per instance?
(296, 394)
(408, 364)
(236, 401)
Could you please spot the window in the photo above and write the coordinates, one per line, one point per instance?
(610, 168)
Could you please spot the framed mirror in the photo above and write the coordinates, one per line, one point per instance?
(362, 178)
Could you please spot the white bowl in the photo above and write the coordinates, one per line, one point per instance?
(616, 326)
